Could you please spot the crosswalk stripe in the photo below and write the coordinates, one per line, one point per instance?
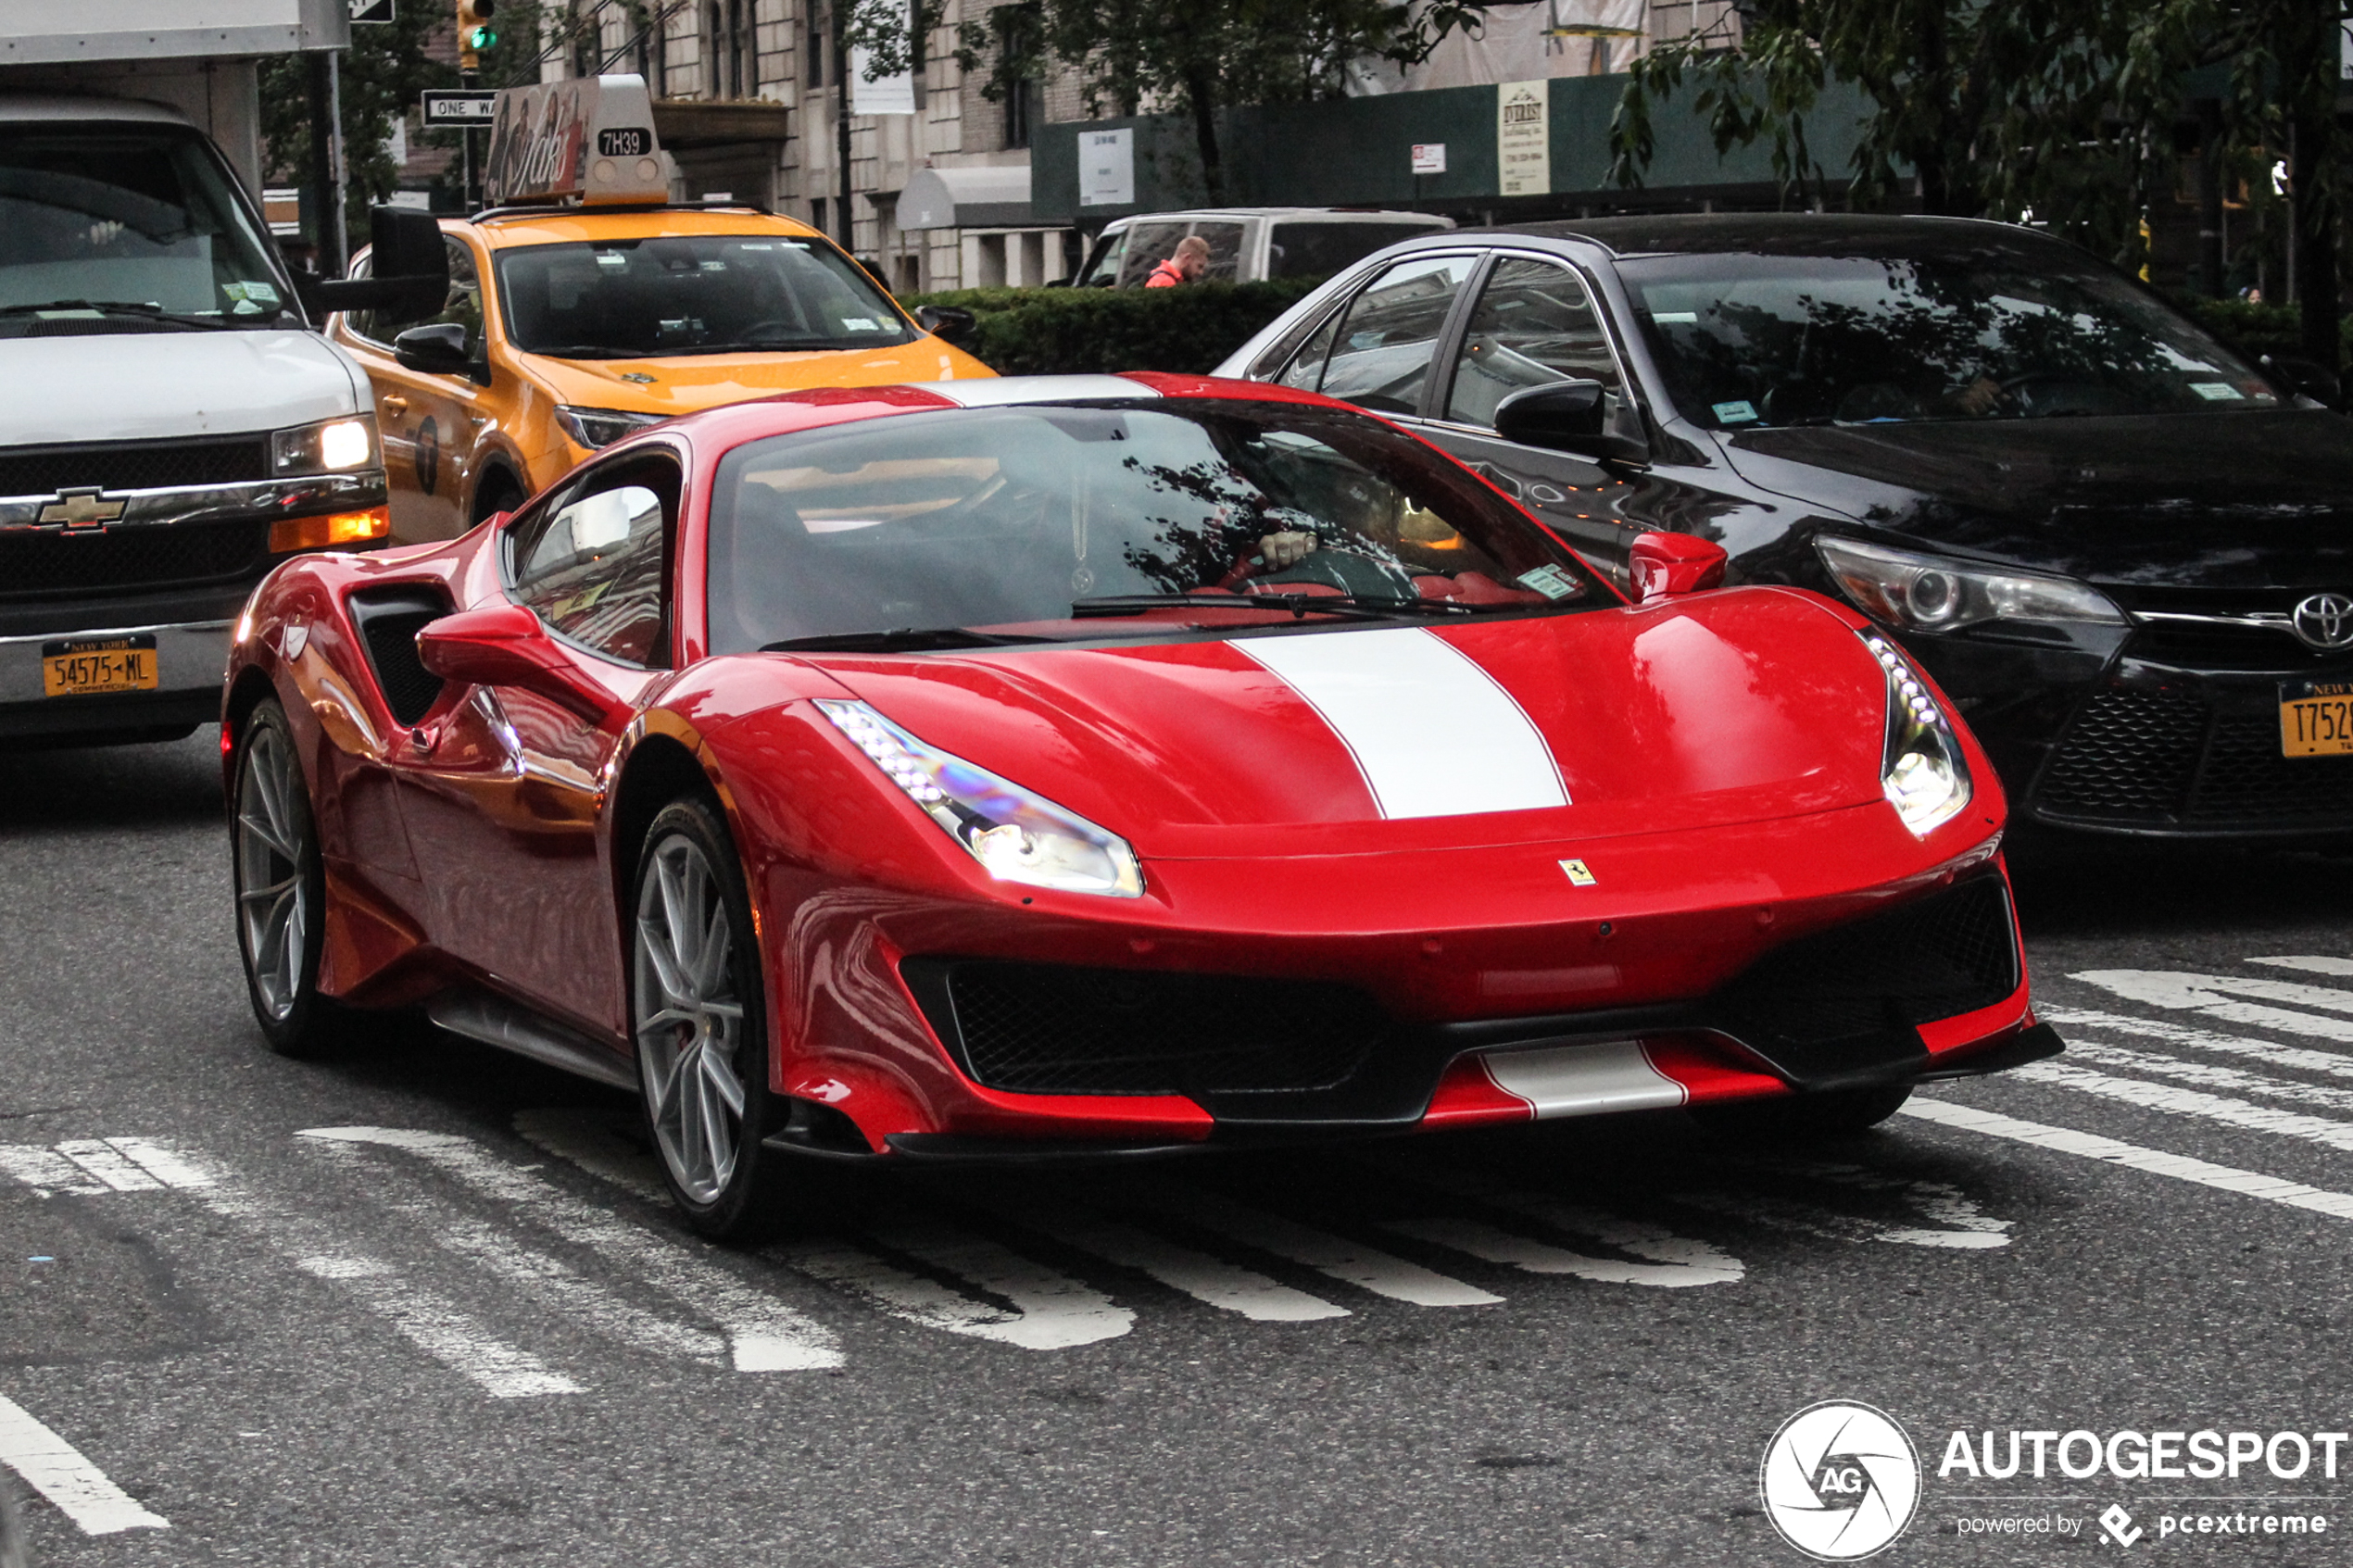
(106, 1163)
(764, 1335)
(1808, 1218)
(1495, 1245)
(2114, 1151)
(1050, 1312)
(1227, 1286)
(2164, 1030)
(47, 1173)
(581, 1138)
(2207, 1075)
(2309, 963)
(2192, 1102)
(1348, 1261)
(163, 1163)
(56, 1468)
(2206, 994)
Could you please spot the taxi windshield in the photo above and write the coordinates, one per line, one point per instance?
(691, 294)
(104, 225)
(1062, 521)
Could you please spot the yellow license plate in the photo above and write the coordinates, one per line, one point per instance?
(94, 666)
(2316, 717)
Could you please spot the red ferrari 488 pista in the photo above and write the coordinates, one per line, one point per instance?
(1104, 763)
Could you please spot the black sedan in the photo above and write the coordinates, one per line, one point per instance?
(2125, 551)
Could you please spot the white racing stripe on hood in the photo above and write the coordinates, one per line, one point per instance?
(1432, 731)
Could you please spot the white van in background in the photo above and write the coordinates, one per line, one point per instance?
(1249, 245)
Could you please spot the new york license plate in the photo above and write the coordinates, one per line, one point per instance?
(92, 666)
(2316, 717)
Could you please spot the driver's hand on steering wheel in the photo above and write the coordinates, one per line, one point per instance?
(1277, 551)
(1978, 397)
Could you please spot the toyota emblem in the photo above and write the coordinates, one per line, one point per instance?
(2324, 621)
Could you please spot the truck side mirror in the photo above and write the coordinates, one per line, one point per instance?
(1664, 565)
(409, 270)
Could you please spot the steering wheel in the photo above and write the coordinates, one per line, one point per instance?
(1329, 566)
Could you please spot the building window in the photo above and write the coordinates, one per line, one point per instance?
(814, 40)
(732, 52)
(1020, 30)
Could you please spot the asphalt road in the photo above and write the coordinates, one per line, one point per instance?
(413, 1304)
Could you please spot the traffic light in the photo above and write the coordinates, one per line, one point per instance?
(475, 32)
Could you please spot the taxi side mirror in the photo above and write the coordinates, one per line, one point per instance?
(505, 646)
(441, 348)
(948, 323)
(1664, 565)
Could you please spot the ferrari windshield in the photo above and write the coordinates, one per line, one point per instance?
(1060, 521)
(1748, 339)
(691, 294)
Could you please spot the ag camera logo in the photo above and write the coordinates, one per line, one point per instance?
(1839, 1480)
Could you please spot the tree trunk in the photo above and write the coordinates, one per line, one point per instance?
(1201, 96)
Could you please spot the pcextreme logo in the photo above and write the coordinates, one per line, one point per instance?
(1839, 1480)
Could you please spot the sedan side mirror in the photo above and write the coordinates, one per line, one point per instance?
(1664, 565)
(440, 349)
(506, 646)
(948, 323)
(1565, 416)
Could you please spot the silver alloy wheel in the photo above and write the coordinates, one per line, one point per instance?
(689, 1019)
(273, 906)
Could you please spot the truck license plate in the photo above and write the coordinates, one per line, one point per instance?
(2316, 717)
(92, 666)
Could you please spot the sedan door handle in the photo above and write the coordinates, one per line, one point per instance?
(394, 404)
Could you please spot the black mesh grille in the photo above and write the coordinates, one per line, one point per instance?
(1049, 1029)
(140, 465)
(35, 564)
(1814, 1004)
(2164, 759)
(389, 622)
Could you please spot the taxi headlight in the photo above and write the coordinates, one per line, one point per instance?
(594, 427)
(330, 447)
(1016, 835)
(1923, 592)
(1922, 770)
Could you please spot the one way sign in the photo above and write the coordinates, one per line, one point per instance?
(370, 10)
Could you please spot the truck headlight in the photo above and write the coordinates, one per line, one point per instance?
(330, 447)
(1922, 772)
(1923, 592)
(594, 427)
(1016, 835)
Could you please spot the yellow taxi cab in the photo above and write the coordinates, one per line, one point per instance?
(578, 310)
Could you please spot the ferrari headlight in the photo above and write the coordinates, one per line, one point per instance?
(594, 427)
(1016, 837)
(1923, 773)
(1931, 594)
(328, 447)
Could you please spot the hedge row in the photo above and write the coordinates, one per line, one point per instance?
(1072, 331)
(2259, 328)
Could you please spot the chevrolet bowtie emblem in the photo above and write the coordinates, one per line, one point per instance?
(79, 509)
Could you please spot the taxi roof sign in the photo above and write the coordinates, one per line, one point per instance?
(588, 140)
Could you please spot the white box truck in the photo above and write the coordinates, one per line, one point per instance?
(172, 422)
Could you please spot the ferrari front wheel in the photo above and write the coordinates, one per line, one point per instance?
(280, 886)
(700, 1026)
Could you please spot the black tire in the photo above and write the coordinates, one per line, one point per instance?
(497, 494)
(1832, 1114)
(281, 887)
(702, 1074)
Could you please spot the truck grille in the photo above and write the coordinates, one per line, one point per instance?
(134, 464)
(2166, 759)
(44, 563)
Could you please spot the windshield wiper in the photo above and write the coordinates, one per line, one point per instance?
(141, 308)
(1355, 607)
(901, 639)
(591, 351)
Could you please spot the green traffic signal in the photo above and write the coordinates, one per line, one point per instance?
(479, 38)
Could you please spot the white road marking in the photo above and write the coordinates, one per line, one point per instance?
(1340, 1259)
(1671, 1262)
(1495, 1245)
(2207, 1075)
(2191, 1103)
(2171, 1034)
(2309, 963)
(1227, 1286)
(2211, 994)
(2114, 1151)
(47, 1173)
(162, 1162)
(56, 1468)
(1050, 1312)
(763, 1334)
(585, 1140)
(1808, 1218)
(105, 1161)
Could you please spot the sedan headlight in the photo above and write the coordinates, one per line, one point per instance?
(594, 427)
(1931, 594)
(1921, 770)
(1016, 837)
(328, 447)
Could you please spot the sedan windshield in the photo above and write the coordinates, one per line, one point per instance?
(691, 294)
(1748, 339)
(1053, 521)
(113, 228)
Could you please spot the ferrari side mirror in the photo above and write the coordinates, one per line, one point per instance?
(505, 646)
(1667, 564)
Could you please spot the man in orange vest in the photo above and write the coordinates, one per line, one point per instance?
(1189, 263)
